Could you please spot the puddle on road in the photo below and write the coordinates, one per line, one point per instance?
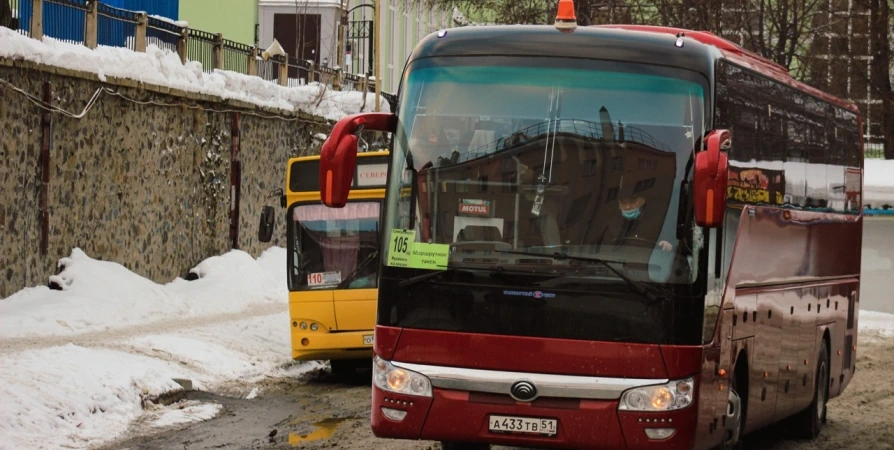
(323, 430)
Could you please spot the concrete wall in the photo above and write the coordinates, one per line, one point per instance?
(236, 19)
(146, 186)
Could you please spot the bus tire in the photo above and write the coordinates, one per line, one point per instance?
(807, 424)
(464, 446)
(735, 408)
(347, 368)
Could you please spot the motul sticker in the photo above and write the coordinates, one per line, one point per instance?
(474, 207)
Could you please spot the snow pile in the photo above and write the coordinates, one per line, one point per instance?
(878, 183)
(163, 67)
(189, 412)
(90, 388)
(876, 322)
(70, 396)
(101, 295)
(179, 23)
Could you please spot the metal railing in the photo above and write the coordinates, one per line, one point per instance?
(237, 57)
(201, 47)
(65, 19)
(163, 34)
(116, 27)
(20, 8)
(92, 23)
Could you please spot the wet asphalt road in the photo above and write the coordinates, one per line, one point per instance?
(320, 411)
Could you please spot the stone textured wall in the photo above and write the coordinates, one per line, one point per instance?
(146, 185)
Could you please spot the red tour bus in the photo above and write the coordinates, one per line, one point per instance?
(609, 237)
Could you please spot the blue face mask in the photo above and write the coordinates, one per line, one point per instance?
(631, 215)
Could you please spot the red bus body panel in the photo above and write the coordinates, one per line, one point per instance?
(535, 355)
(454, 415)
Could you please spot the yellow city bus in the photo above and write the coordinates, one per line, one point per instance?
(333, 263)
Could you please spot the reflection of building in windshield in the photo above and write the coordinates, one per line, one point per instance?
(487, 194)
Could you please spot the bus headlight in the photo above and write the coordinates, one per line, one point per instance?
(663, 397)
(402, 381)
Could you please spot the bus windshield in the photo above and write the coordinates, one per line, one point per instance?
(335, 248)
(504, 158)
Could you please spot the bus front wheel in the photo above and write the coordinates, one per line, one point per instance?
(808, 422)
(732, 437)
(347, 368)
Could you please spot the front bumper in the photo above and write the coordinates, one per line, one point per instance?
(322, 345)
(462, 416)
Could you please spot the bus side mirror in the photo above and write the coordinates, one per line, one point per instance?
(265, 228)
(338, 157)
(711, 171)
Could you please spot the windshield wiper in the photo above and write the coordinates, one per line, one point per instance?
(426, 276)
(344, 283)
(559, 256)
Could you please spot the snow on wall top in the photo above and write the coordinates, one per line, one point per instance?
(162, 67)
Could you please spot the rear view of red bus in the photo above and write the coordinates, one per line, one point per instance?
(608, 238)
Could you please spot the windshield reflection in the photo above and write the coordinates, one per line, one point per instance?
(585, 163)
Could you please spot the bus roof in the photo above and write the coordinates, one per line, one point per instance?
(743, 57)
(303, 172)
(622, 42)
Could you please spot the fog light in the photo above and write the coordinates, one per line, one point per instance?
(304, 342)
(303, 325)
(394, 414)
(314, 327)
(659, 433)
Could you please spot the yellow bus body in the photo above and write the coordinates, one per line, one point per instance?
(332, 310)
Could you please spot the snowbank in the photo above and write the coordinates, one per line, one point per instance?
(878, 183)
(101, 295)
(71, 396)
(75, 396)
(876, 322)
(163, 67)
(90, 390)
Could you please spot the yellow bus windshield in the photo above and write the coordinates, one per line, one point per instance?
(335, 248)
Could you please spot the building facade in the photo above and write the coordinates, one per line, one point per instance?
(236, 19)
(308, 30)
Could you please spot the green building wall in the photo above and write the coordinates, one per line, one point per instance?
(236, 19)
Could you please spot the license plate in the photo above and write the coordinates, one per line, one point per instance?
(368, 339)
(523, 425)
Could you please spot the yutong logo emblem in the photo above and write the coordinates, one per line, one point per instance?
(523, 391)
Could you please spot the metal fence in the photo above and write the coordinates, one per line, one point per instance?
(200, 47)
(574, 127)
(237, 57)
(64, 20)
(92, 23)
(19, 8)
(163, 34)
(115, 27)
(874, 150)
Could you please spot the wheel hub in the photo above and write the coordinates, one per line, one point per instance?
(733, 419)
